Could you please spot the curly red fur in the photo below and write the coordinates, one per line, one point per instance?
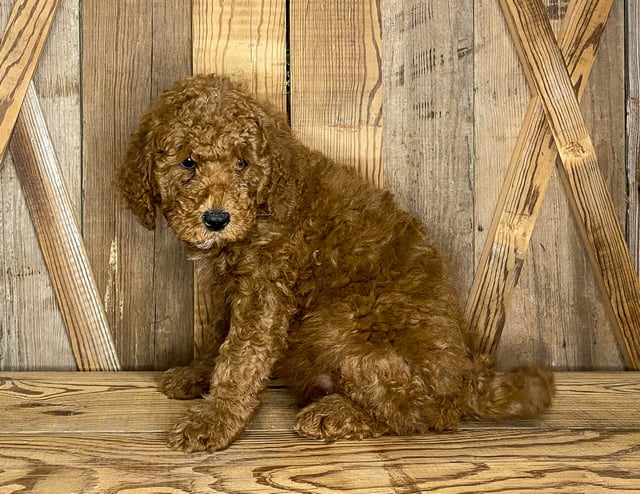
(316, 275)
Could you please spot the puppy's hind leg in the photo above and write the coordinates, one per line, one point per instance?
(334, 417)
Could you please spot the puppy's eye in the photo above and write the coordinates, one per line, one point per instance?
(242, 164)
(188, 164)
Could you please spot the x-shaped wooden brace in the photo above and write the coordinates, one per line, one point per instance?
(43, 187)
(553, 116)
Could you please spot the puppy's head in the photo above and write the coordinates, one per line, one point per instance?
(206, 154)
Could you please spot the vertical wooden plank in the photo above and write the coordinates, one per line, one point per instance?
(32, 334)
(245, 40)
(336, 81)
(143, 277)
(428, 105)
(173, 273)
(116, 78)
(500, 100)
(632, 157)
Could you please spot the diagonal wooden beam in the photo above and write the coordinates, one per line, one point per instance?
(527, 181)
(27, 30)
(547, 74)
(60, 239)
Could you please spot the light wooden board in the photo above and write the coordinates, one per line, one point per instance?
(32, 333)
(143, 277)
(20, 47)
(428, 53)
(246, 41)
(336, 81)
(104, 432)
(465, 462)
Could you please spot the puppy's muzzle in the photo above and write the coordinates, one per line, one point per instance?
(215, 219)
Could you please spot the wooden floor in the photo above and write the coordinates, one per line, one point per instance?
(104, 433)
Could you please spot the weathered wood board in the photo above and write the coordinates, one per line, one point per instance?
(143, 276)
(632, 106)
(32, 334)
(60, 240)
(556, 315)
(427, 67)
(25, 35)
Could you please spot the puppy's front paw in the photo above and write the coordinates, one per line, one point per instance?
(184, 383)
(202, 430)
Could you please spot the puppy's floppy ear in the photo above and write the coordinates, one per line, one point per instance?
(275, 138)
(279, 144)
(134, 179)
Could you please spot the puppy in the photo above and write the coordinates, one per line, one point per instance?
(317, 277)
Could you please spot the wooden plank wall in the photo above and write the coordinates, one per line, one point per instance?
(556, 315)
(32, 334)
(454, 96)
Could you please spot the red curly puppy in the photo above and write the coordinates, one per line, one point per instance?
(317, 276)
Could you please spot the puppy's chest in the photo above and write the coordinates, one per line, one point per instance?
(271, 258)
(306, 266)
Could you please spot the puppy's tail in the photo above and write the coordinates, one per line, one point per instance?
(525, 392)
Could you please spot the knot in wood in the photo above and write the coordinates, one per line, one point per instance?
(574, 149)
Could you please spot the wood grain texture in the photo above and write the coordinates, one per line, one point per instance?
(632, 103)
(583, 337)
(589, 196)
(142, 276)
(104, 432)
(336, 81)
(526, 182)
(428, 141)
(60, 239)
(101, 402)
(22, 42)
(32, 332)
(246, 41)
(556, 314)
(173, 273)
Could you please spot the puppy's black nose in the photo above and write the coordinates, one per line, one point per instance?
(215, 219)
